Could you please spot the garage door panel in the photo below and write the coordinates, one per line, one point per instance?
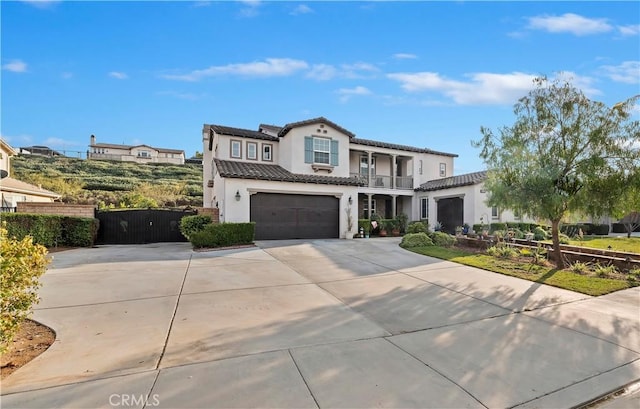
(283, 216)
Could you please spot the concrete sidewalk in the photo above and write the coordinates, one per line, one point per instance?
(327, 323)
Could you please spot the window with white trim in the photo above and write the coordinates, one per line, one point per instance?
(267, 150)
(252, 150)
(144, 154)
(424, 208)
(236, 149)
(495, 213)
(322, 150)
(365, 208)
(443, 169)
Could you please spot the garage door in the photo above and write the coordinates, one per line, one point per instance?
(450, 213)
(280, 216)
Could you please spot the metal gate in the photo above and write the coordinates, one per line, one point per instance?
(139, 226)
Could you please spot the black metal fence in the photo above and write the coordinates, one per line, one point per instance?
(139, 226)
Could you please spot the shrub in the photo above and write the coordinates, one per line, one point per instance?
(402, 219)
(192, 224)
(605, 271)
(539, 234)
(21, 264)
(563, 238)
(365, 224)
(498, 235)
(600, 229)
(223, 234)
(52, 230)
(579, 267)
(516, 233)
(443, 239)
(498, 226)
(502, 251)
(411, 240)
(417, 227)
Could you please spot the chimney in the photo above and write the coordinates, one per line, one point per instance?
(93, 140)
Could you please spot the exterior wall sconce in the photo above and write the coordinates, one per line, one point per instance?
(216, 205)
(350, 200)
(238, 196)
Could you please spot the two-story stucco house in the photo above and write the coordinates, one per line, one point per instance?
(303, 179)
(134, 153)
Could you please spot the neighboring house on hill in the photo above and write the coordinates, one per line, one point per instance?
(12, 190)
(38, 150)
(461, 199)
(298, 180)
(135, 153)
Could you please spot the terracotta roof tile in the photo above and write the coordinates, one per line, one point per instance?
(243, 133)
(262, 171)
(453, 181)
(379, 144)
(321, 120)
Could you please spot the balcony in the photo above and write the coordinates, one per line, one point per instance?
(384, 182)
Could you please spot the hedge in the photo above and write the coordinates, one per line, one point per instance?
(223, 234)
(192, 224)
(52, 230)
(411, 240)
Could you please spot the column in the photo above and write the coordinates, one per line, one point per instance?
(369, 197)
(369, 157)
(393, 206)
(394, 172)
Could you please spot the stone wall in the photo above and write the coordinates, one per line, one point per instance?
(56, 208)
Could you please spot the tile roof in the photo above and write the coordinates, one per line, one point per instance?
(262, 171)
(453, 181)
(408, 148)
(272, 128)
(321, 119)
(244, 133)
(9, 184)
(118, 146)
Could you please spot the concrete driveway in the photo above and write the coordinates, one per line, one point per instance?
(328, 323)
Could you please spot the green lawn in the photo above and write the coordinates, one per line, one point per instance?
(541, 274)
(631, 245)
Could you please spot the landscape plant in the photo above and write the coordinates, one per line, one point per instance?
(21, 264)
(411, 240)
(192, 224)
(223, 235)
(564, 153)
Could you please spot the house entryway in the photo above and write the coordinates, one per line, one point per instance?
(286, 216)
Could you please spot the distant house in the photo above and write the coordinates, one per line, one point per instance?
(38, 150)
(134, 153)
(12, 190)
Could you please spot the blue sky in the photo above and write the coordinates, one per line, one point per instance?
(426, 74)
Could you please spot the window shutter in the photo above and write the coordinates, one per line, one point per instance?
(334, 153)
(308, 149)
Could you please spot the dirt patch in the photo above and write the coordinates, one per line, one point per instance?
(31, 340)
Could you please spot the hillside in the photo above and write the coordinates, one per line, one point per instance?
(111, 183)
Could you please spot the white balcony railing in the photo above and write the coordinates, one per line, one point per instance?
(404, 182)
(384, 182)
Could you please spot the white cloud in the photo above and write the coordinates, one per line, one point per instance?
(631, 30)
(271, 67)
(322, 72)
(42, 4)
(347, 93)
(250, 9)
(301, 9)
(627, 72)
(118, 75)
(15, 66)
(404, 56)
(570, 23)
(359, 70)
(483, 88)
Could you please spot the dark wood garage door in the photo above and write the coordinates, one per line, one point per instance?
(280, 216)
(450, 213)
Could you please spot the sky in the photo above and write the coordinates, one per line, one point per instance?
(425, 74)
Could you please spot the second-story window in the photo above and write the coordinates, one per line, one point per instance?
(443, 170)
(266, 152)
(252, 150)
(236, 149)
(495, 213)
(321, 150)
(364, 166)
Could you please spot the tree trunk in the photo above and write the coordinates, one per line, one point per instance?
(555, 237)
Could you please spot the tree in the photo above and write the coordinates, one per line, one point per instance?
(628, 207)
(564, 153)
